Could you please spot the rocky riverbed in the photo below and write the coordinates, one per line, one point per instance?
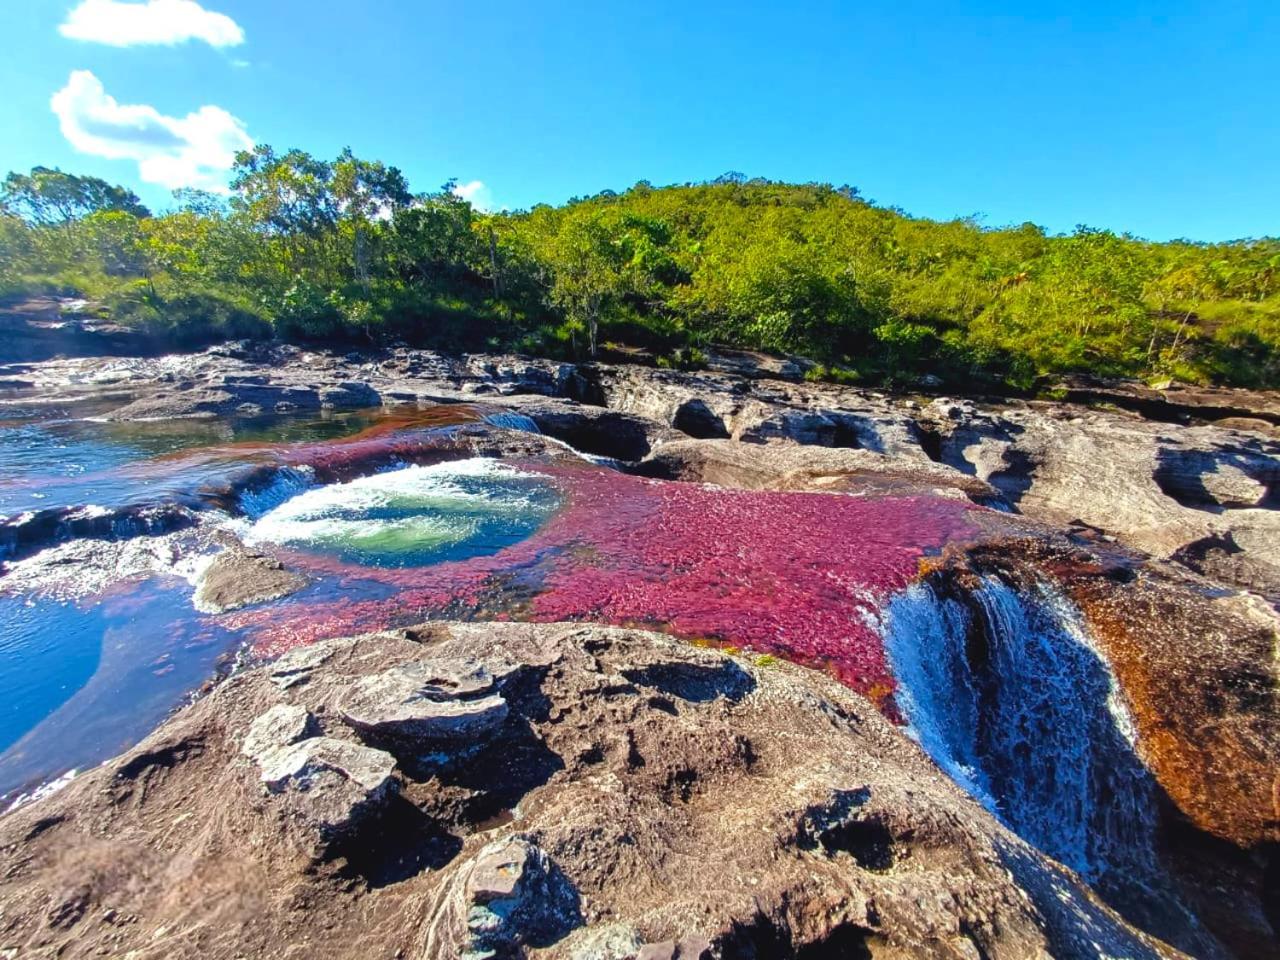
(1070, 606)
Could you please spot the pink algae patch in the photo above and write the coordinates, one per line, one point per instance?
(800, 575)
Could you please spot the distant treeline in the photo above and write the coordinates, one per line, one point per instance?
(344, 251)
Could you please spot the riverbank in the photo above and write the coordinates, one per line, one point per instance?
(1101, 577)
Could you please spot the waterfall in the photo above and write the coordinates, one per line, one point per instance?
(284, 485)
(510, 420)
(1007, 694)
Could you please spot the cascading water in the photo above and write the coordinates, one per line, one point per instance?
(287, 483)
(1009, 697)
(409, 516)
(510, 420)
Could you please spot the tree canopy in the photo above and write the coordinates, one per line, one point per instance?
(48, 196)
(342, 249)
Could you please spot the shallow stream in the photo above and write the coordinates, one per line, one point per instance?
(394, 518)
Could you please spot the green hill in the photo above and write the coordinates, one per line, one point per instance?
(344, 251)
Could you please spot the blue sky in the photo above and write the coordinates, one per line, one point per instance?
(1161, 118)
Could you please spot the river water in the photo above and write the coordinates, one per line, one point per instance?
(393, 519)
(398, 517)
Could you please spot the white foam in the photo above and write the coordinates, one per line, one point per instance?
(1032, 722)
(332, 514)
(39, 793)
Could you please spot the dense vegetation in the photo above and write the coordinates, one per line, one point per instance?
(343, 250)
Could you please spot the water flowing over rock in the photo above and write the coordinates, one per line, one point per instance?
(1071, 606)
(1006, 693)
(711, 806)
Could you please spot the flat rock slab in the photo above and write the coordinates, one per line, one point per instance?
(281, 726)
(332, 783)
(427, 700)
(296, 666)
(237, 579)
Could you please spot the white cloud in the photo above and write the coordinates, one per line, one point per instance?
(192, 151)
(156, 21)
(475, 193)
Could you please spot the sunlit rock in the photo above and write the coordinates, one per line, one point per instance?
(281, 726)
(329, 784)
(235, 579)
(427, 701)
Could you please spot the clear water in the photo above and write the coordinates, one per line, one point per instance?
(82, 680)
(49, 649)
(86, 672)
(49, 459)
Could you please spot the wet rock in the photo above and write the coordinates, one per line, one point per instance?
(427, 701)
(592, 430)
(349, 395)
(236, 579)
(633, 780)
(28, 533)
(1150, 468)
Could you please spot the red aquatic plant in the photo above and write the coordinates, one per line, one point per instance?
(801, 575)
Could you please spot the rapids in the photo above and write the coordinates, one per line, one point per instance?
(1006, 693)
(396, 518)
(1004, 689)
(413, 516)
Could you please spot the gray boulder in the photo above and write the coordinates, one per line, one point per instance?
(331, 784)
(427, 701)
(281, 726)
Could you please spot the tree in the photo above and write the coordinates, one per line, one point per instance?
(49, 197)
(598, 257)
(365, 191)
(434, 238)
(202, 203)
(117, 240)
(307, 203)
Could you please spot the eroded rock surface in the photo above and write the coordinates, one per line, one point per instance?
(427, 700)
(1179, 473)
(237, 578)
(569, 791)
(641, 798)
